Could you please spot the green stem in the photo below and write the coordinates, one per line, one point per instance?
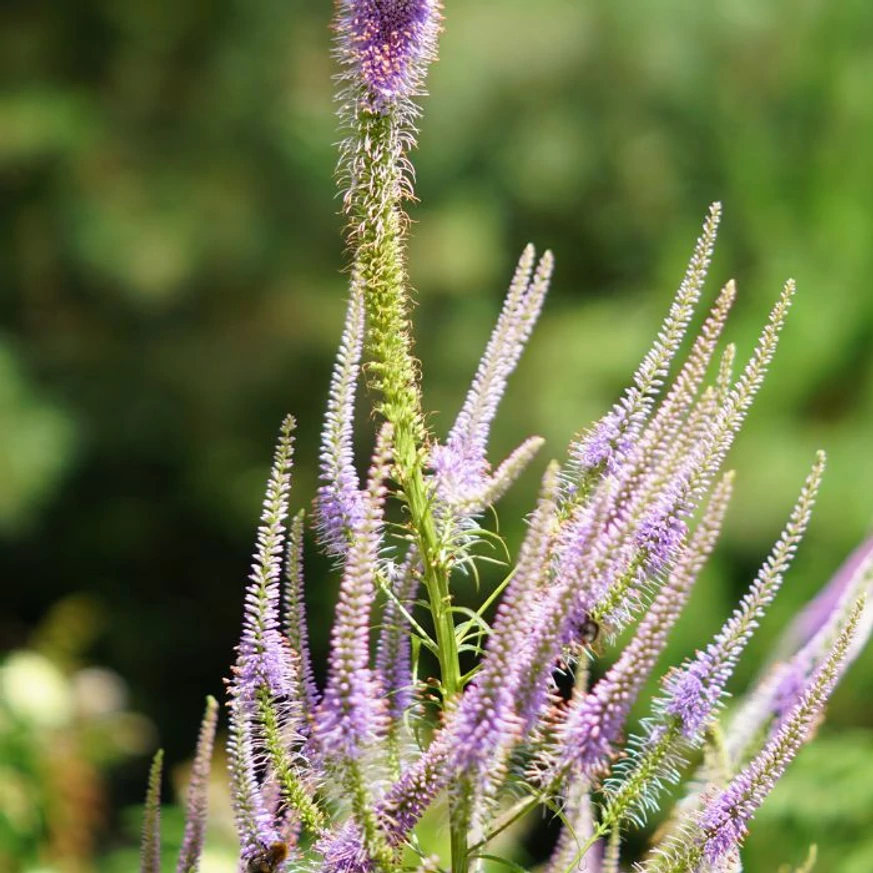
(379, 241)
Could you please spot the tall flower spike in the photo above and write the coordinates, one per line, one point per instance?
(815, 629)
(722, 824)
(351, 718)
(604, 445)
(150, 852)
(669, 419)
(339, 501)
(263, 655)
(254, 822)
(694, 691)
(461, 465)
(198, 792)
(295, 615)
(351, 713)
(264, 712)
(733, 413)
(699, 466)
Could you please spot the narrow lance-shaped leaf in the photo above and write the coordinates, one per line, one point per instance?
(394, 651)
(578, 828)
(486, 723)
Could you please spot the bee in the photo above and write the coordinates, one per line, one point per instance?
(269, 860)
(589, 632)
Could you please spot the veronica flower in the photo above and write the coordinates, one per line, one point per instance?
(337, 779)
(693, 691)
(195, 814)
(719, 829)
(198, 793)
(295, 617)
(606, 445)
(351, 714)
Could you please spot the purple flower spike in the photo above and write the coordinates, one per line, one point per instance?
(724, 820)
(857, 569)
(351, 714)
(198, 793)
(594, 721)
(816, 628)
(694, 691)
(461, 467)
(295, 615)
(339, 504)
(388, 43)
(265, 659)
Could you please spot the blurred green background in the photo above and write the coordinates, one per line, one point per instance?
(170, 260)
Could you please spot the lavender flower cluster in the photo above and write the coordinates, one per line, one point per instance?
(338, 778)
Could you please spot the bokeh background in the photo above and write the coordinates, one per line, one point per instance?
(170, 264)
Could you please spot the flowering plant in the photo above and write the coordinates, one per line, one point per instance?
(338, 778)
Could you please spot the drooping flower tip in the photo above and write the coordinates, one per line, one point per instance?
(388, 43)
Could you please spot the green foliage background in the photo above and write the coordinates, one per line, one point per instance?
(170, 263)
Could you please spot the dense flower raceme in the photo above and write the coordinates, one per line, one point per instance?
(337, 779)
(341, 775)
